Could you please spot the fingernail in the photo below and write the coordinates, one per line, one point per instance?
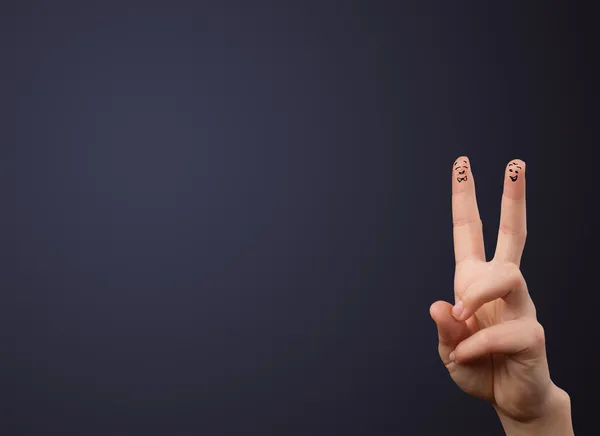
(452, 356)
(458, 308)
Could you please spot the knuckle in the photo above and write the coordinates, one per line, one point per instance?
(484, 339)
(517, 233)
(538, 334)
(466, 221)
(514, 277)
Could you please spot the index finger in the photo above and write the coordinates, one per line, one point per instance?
(468, 230)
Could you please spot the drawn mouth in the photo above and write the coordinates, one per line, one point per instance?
(513, 178)
(461, 179)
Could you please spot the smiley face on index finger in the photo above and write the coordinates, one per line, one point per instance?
(460, 170)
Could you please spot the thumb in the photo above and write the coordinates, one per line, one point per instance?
(450, 331)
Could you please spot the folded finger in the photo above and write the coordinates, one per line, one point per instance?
(524, 337)
(450, 331)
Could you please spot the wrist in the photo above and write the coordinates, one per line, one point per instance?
(554, 420)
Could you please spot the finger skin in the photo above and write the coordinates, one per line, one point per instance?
(523, 336)
(505, 282)
(468, 231)
(450, 331)
(513, 218)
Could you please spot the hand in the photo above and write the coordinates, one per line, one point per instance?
(490, 340)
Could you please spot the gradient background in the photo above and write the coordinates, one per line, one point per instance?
(232, 217)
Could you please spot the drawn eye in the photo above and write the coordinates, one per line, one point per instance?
(516, 172)
(510, 171)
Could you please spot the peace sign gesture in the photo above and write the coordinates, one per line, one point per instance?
(490, 340)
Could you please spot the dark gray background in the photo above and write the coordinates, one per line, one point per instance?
(232, 217)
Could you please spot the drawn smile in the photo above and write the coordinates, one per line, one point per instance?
(461, 179)
(513, 178)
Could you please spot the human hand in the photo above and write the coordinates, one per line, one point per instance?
(490, 340)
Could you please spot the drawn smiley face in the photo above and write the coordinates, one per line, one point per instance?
(460, 168)
(513, 171)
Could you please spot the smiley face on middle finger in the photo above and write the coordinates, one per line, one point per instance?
(513, 171)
